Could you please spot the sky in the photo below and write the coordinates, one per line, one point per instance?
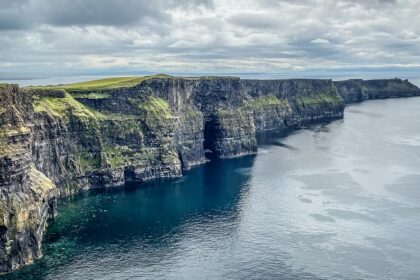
(45, 39)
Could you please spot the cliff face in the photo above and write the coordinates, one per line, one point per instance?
(234, 110)
(27, 196)
(57, 142)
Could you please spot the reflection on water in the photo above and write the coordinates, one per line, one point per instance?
(342, 203)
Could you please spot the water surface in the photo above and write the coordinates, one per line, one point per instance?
(341, 202)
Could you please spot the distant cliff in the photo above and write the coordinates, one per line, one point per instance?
(360, 90)
(56, 141)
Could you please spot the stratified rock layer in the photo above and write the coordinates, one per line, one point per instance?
(55, 142)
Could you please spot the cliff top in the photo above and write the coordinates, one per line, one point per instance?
(127, 82)
(118, 82)
(103, 84)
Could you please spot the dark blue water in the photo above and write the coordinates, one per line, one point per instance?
(342, 203)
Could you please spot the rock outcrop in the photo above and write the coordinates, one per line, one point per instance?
(56, 142)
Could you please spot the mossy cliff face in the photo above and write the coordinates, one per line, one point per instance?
(56, 141)
(133, 141)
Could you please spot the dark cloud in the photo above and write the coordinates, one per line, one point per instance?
(21, 14)
(12, 21)
(104, 12)
(7, 4)
(12, 15)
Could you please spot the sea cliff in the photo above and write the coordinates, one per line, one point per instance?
(60, 140)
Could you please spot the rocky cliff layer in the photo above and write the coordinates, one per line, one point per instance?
(57, 142)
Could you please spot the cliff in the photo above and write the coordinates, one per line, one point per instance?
(59, 140)
(359, 90)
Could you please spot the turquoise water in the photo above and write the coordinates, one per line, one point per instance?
(343, 202)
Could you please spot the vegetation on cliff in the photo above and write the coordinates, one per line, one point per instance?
(92, 95)
(61, 106)
(318, 99)
(154, 110)
(155, 106)
(105, 137)
(268, 100)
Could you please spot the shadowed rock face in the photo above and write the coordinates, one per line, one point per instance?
(54, 142)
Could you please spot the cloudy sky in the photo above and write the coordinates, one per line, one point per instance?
(284, 38)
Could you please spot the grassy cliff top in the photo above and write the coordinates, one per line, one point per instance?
(104, 84)
(120, 82)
